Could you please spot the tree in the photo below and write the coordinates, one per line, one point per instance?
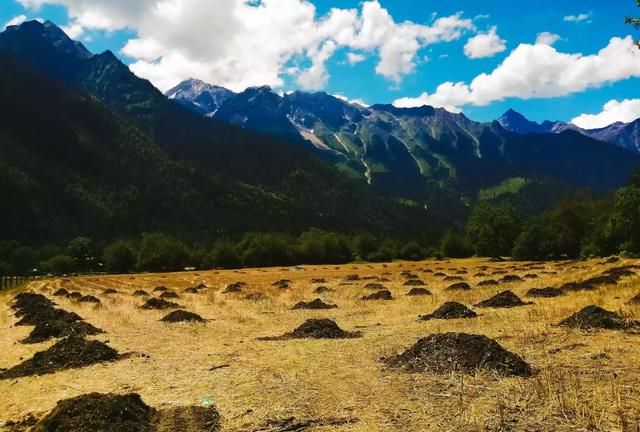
(59, 264)
(411, 252)
(533, 242)
(120, 257)
(363, 245)
(23, 260)
(454, 245)
(267, 250)
(223, 255)
(492, 230)
(81, 249)
(626, 217)
(321, 247)
(160, 252)
(634, 21)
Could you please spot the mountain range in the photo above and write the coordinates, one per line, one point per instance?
(623, 135)
(411, 151)
(90, 148)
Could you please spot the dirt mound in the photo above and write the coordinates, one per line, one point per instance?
(624, 271)
(318, 280)
(69, 353)
(414, 282)
(314, 304)
(141, 293)
(234, 288)
(99, 412)
(61, 293)
(460, 286)
(323, 289)
(489, 282)
(593, 317)
(159, 304)
(605, 279)
(192, 290)
(635, 300)
(461, 352)
(505, 299)
(30, 301)
(75, 295)
(375, 285)
(110, 291)
(317, 329)
(419, 292)
(511, 279)
(160, 289)
(352, 278)
(169, 294)
(547, 292)
(46, 314)
(60, 329)
(89, 299)
(531, 276)
(182, 316)
(453, 279)
(577, 286)
(449, 310)
(380, 295)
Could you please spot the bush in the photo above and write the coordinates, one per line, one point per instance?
(455, 245)
(363, 245)
(58, 265)
(23, 261)
(120, 257)
(267, 250)
(223, 255)
(321, 247)
(411, 252)
(492, 230)
(159, 252)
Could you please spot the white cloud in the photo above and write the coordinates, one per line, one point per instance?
(613, 111)
(546, 38)
(485, 45)
(17, 20)
(539, 71)
(355, 58)
(241, 43)
(74, 31)
(583, 17)
(351, 101)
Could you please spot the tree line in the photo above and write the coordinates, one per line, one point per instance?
(578, 226)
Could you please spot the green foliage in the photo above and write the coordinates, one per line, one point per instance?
(626, 217)
(455, 245)
(81, 249)
(58, 265)
(411, 252)
(23, 260)
(321, 247)
(223, 255)
(492, 229)
(160, 252)
(120, 257)
(364, 245)
(267, 249)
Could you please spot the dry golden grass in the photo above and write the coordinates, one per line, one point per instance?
(585, 381)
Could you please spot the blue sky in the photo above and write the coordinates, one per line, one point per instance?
(433, 63)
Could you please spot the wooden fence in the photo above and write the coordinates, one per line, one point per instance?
(7, 282)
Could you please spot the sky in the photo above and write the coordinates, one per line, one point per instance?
(570, 60)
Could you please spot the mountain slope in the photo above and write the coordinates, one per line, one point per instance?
(73, 164)
(623, 135)
(415, 152)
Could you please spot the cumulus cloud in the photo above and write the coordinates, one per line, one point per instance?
(546, 38)
(624, 111)
(485, 45)
(582, 17)
(241, 43)
(355, 58)
(17, 20)
(538, 71)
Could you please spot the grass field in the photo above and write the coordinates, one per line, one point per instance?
(583, 380)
